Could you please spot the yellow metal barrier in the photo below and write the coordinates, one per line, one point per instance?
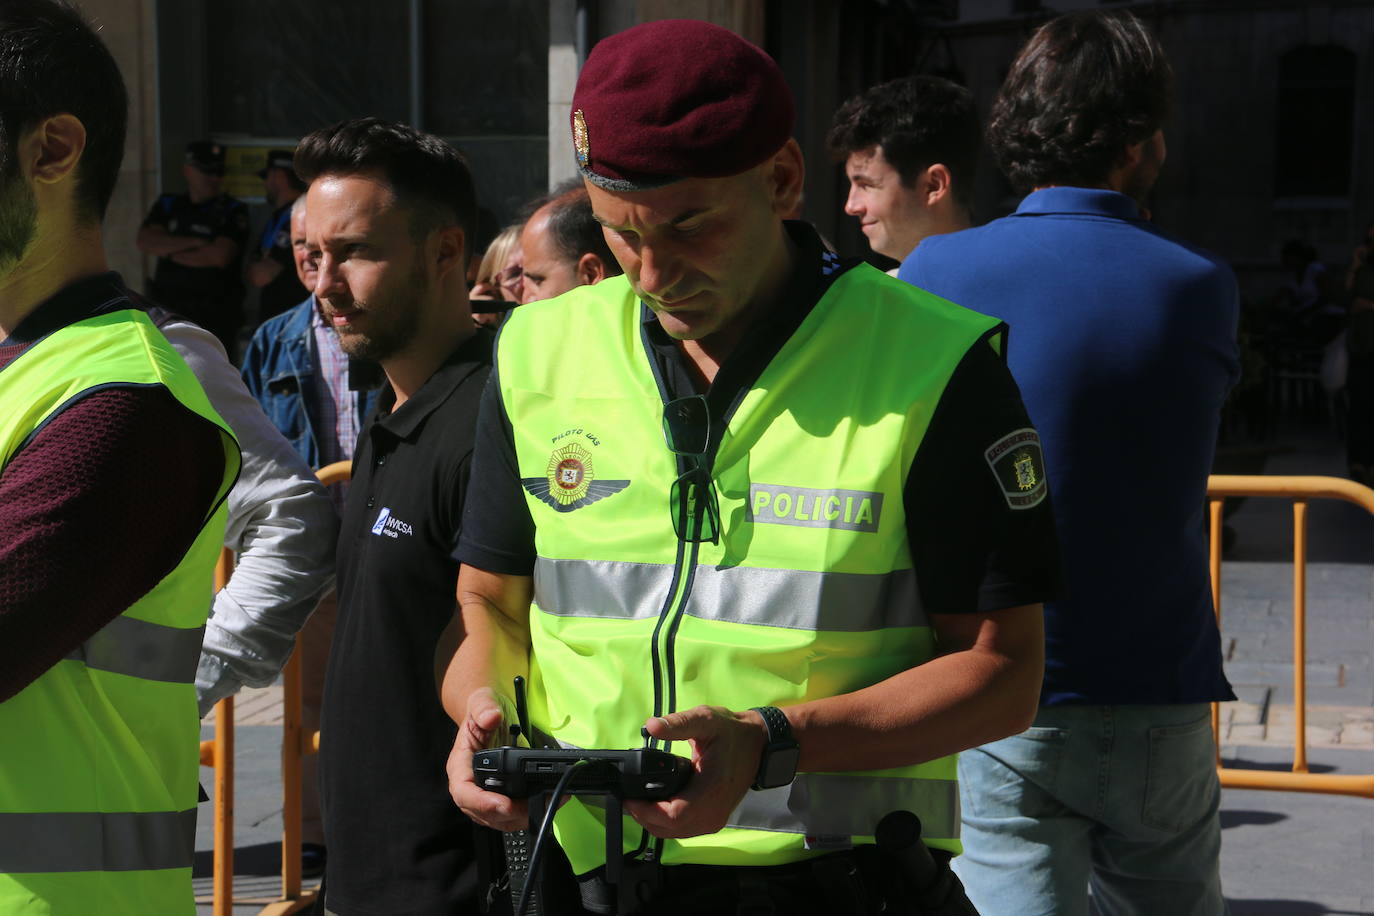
(219, 753)
(1301, 490)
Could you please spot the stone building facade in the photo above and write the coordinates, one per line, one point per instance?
(1268, 141)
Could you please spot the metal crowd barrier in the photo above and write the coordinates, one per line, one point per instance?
(219, 753)
(1300, 490)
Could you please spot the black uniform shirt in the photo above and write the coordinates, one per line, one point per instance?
(396, 842)
(218, 217)
(972, 550)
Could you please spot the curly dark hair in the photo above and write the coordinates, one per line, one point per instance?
(1086, 86)
(917, 121)
(427, 175)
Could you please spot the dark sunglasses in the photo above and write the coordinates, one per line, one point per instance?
(693, 500)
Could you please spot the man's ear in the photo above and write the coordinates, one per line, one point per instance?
(1133, 154)
(1130, 157)
(1126, 164)
(53, 148)
(590, 269)
(449, 251)
(938, 184)
(786, 177)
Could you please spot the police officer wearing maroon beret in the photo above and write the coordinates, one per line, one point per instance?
(781, 511)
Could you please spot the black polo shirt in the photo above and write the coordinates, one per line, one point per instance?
(973, 546)
(396, 842)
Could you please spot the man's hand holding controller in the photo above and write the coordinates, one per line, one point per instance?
(484, 727)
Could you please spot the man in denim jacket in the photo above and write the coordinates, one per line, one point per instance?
(295, 369)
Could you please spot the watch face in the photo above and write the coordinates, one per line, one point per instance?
(780, 768)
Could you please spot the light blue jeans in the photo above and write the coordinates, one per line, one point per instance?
(1120, 797)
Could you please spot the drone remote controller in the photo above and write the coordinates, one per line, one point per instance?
(521, 772)
(532, 773)
(642, 773)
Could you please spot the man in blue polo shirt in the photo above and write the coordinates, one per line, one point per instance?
(1123, 343)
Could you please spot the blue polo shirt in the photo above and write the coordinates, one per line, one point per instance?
(1123, 341)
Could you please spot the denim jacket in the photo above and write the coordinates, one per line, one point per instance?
(279, 370)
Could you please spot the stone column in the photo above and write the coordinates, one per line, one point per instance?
(128, 29)
(562, 81)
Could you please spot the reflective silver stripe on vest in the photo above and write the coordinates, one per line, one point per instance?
(144, 650)
(96, 841)
(850, 804)
(794, 599)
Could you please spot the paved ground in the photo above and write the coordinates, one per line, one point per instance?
(1283, 854)
(1286, 854)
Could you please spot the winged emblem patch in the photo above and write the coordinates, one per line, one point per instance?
(570, 481)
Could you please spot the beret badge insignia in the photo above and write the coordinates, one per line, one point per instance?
(580, 144)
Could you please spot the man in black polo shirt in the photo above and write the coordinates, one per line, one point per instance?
(392, 210)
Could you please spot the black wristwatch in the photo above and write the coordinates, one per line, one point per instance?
(778, 764)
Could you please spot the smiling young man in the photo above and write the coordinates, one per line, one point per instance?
(391, 210)
(910, 150)
(703, 503)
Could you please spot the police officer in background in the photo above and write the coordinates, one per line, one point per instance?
(780, 510)
(272, 267)
(197, 237)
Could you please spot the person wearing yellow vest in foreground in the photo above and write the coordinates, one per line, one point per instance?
(753, 498)
(113, 473)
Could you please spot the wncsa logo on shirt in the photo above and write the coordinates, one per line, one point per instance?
(387, 525)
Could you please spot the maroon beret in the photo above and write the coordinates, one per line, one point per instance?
(674, 99)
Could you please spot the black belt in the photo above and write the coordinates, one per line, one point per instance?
(848, 882)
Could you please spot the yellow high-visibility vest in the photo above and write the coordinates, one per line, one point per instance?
(99, 757)
(809, 593)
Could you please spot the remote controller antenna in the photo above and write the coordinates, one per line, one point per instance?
(522, 711)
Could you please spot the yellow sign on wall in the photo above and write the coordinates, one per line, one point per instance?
(241, 167)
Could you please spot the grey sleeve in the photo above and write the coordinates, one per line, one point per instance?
(282, 526)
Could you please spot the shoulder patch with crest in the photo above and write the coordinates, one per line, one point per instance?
(1019, 466)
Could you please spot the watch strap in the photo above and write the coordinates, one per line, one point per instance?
(779, 729)
(779, 750)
